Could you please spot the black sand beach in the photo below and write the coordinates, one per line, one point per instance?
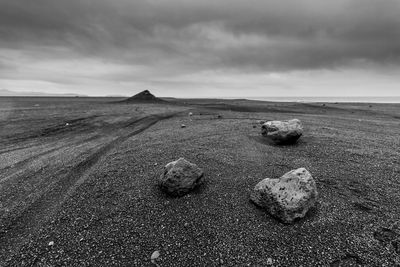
(78, 183)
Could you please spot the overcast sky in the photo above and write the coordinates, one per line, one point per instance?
(218, 48)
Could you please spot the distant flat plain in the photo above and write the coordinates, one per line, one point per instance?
(82, 173)
(349, 99)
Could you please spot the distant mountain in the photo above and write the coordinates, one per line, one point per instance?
(5, 92)
(143, 97)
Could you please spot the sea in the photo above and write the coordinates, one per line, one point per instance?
(348, 99)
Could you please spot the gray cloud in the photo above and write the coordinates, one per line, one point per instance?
(164, 38)
(263, 34)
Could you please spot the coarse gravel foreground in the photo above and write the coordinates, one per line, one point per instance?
(117, 216)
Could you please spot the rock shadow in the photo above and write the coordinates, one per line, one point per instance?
(266, 141)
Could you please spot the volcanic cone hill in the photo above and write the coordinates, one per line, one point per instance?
(143, 97)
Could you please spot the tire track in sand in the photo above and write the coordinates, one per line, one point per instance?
(39, 212)
(11, 170)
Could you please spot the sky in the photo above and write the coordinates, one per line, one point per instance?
(207, 48)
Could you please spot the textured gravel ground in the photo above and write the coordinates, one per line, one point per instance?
(117, 216)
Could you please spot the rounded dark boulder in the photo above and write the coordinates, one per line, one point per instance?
(180, 177)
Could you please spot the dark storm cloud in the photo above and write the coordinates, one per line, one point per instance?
(195, 35)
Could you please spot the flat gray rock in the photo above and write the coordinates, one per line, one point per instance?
(288, 197)
(180, 177)
(282, 132)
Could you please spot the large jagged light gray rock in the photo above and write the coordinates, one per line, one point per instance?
(282, 132)
(180, 177)
(288, 197)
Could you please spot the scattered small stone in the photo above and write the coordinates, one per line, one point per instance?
(190, 114)
(288, 197)
(67, 124)
(180, 177)
(282, 132)
(269, 261)
(183, 126)
(154, 256)
(51, 243)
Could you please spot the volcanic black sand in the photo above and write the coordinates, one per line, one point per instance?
(78, 183)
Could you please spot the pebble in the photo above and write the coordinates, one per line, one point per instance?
(154, 256)
(51, 243)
